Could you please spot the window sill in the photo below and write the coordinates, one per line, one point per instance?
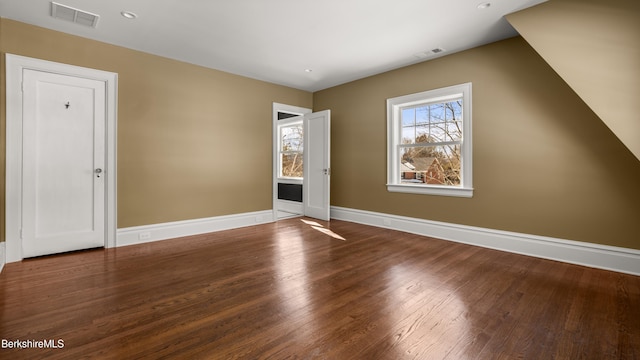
(431, 190)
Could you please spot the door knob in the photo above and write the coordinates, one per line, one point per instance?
(98, 171)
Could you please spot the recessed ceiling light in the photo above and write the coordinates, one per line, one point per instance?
(308, 70)
(129, 15)
(484, 5)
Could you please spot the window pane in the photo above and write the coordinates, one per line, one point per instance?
(422, 125)
(454, 110)
(438, 132)
(291, 165)
(452, 131)
(454, 120)
(422, 115)
(422, 133)
(408, 120)
(291, 138)
(408, 117)
(408, 135)
(437, 113)
(435, 165)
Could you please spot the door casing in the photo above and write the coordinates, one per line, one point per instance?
(282, 204)
(15, 66)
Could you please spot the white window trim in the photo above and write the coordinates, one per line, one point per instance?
(281, 124)
(394, 106)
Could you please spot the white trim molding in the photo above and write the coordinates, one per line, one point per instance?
(289, 109)
(15, 66)
(287, 209)
(606, 257)
(156, 232)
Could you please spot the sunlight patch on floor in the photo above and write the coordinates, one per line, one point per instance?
(322, 229)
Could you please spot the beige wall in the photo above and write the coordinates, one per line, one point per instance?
(594, 45)
(544, 163)
(192, 142)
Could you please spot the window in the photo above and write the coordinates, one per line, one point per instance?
(429, 142)
(290, 149)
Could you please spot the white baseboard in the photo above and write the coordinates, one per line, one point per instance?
(613, 258)
(3, 260)
(287, 209)
(149, 233)
(290, 206)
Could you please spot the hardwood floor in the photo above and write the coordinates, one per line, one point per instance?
(295, 290)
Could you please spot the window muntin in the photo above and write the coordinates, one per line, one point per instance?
(429, 142)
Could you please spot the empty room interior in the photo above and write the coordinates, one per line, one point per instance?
(352, 179)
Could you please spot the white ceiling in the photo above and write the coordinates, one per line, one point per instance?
(277, 40)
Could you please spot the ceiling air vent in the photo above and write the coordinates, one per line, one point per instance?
(77, 16)
(426, 54)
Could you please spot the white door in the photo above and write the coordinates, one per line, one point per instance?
(63, 184)
(317, 165)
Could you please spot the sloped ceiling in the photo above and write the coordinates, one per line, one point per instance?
(594, 45)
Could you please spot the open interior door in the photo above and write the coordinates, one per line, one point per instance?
(317, 165)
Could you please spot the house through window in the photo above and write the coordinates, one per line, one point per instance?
(429, 142)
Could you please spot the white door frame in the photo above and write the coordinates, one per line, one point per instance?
(290, 110)
(15, 65)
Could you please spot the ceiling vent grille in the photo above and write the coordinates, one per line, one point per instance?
(428, 53)
(77, 16)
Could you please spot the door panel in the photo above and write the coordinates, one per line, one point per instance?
(317, 164)
(63, 145)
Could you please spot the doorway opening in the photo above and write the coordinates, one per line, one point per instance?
(288, 147)
(301, 165)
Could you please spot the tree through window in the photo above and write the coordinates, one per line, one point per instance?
(291, 150)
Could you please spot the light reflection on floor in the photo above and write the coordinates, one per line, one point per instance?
(429, 318)
(322, 229)
(292, 281)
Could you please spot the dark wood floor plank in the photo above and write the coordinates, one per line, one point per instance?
(291, 290)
